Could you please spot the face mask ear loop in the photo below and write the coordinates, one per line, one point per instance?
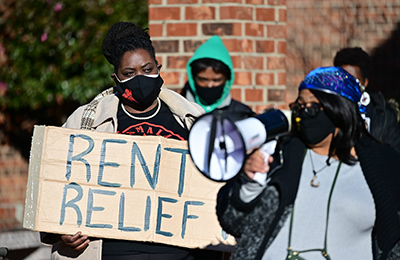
(115, 74)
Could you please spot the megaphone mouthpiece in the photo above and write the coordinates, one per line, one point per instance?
(276, 123)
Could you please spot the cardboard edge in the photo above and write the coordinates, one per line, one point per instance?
(32, 187)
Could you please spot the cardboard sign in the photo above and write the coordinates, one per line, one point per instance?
(120, 186)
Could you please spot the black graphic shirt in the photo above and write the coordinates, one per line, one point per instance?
(162, 124)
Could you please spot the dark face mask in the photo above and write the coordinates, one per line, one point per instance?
(209, 96)
(314, 129)
(140, 91)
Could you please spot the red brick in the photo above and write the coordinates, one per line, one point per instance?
(239, 45)
(265, 46)
(181, 29)
(282, 78)
(265, 79)
(222, 29)
(155, 30)
(254, 95)
(281, 48)
(242, 78)
(236, 12)
(236, 94)
(276, 31)
(265, 14)
(277, 2)
(3, 213)
(291, 95)
(276, 63)
(236, 61)
(177, 62)
(253, 62)
(221, 1)
(200, 13)
(261, 108)
(160, 59)
(166, 46)
(164, 13)
(154, 2)
(276, 95)
(237, 29)
(254, 29)
(170, 78)
(192, 45)
(182, 2)
(255, 2)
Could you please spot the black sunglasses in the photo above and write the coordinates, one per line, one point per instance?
(311, 109)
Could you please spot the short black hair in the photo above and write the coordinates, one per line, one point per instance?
(216, 65)
(123, 37)
(354, 56)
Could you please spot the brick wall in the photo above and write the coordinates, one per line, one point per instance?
(13, 177)
(316, 30)
(273, 44)
(254, 32)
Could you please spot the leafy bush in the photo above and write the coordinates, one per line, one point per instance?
(52, 49)
(51, 59)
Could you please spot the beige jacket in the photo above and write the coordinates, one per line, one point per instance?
(184, 111)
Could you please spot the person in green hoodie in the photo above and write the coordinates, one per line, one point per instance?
(210, 78)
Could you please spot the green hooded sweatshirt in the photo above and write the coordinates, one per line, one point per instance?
(213, 48)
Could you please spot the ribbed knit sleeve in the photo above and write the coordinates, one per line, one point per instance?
(381, 167)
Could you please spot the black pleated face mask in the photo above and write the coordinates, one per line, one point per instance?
(208, 95)
(141, 90)
(314, 129)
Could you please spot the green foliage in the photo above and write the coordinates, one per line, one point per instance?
(50, 51)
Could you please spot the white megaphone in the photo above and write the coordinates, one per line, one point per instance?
(218, 146)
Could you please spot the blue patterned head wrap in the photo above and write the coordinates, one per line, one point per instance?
(334, 80)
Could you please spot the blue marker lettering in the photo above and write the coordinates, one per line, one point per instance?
(224, 234)
(111, 164)
(186, 216)
(184, 152)
(151, 180)
(78, 157)
(160, 215)
(71, 203)
(147, 214)
(121, 216)
(90, 208)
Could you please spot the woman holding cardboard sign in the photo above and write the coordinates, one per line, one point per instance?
(137, 105)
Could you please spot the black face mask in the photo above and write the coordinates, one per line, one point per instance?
(314, 129)
(140, 91)
(208, 95)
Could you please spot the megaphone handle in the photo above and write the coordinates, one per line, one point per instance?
(267, 149)
(224, 144)
(211, 141)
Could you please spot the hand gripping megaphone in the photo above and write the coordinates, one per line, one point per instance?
(218, 146)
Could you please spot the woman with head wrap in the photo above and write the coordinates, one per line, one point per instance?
(332, 191)
(137, 105)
